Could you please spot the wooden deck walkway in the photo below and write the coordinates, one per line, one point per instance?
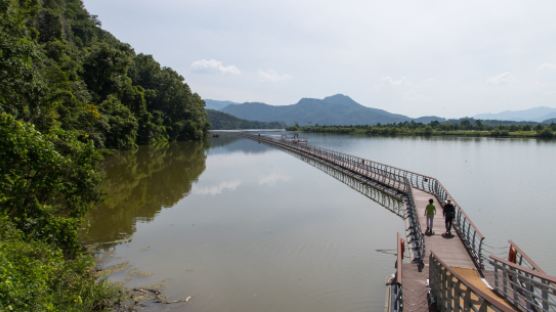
(455, 264)
(451, 250)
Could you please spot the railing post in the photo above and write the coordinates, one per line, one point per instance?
(505, 278)
(514, 281)
(481, 253)
(544, 295)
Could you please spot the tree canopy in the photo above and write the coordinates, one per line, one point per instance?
(67, 88)
(59, 69)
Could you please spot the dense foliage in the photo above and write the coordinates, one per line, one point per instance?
(67, 87)
(462, 127)
(219, 120)
(59, 69)
(47, 182)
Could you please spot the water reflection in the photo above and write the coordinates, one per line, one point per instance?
(387, 198)
(390, 199)
(257, 226)
(230, 142)
(138, 184)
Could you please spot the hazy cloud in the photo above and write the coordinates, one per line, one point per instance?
(214, 66)
(217, 189)
(393, 82)
(273, 179)
(501, 79)
(273, 76)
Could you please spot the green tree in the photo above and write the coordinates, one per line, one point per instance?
(47, 182)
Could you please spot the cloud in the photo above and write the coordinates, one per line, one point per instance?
(217, 189)
(393, 82)
(273, 178)
(546, 73)
(273, 76)
(212, 66)
(501, 79)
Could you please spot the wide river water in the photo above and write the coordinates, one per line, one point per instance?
(239, 226)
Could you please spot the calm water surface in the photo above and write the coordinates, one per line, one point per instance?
(507, 186)
(241, 226)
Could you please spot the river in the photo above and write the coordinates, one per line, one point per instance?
(234, 225)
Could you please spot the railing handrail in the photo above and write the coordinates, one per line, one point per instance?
(527, 289)
(476, 290)
(459, 206)
(390, 179)
(395, 177)
(538, 274)
(419, 175)
(418, 233)
(528, 259)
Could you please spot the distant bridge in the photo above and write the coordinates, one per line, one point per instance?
(443, 274)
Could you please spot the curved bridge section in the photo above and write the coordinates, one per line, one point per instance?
(457, 267)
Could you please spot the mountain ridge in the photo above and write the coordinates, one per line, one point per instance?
(340, 109)
(337, 109)
(537, 114)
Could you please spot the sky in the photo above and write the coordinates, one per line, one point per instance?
(429, 57)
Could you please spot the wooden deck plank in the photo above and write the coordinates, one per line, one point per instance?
(473, 277)
(451, 250)
(415, 288)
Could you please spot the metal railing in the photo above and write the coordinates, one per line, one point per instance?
(527, 289)
(415, 231)
(392, 201)
(383, 174)
(395, 178)
(522, 283)
(452, 292)
(353, 163)
(396, 284)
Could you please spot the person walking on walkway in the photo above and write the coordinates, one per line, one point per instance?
(449, 212)
(430, 211)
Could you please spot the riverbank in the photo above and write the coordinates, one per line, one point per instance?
(540, 131)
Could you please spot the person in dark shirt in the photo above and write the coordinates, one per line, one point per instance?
(449, 212)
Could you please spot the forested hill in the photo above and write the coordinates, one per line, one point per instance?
(67, 88)
(60, 70)
(222, 121)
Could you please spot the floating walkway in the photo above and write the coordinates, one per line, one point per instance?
(436, 273)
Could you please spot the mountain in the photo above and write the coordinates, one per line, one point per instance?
(538, 114)
(333, 110)
(217, 105)
(550, 121)
(222, 121)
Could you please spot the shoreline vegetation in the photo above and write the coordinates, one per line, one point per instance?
(69, 93)
(460, 128)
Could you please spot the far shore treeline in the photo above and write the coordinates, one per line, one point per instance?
(461, 127)
(67, 90)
